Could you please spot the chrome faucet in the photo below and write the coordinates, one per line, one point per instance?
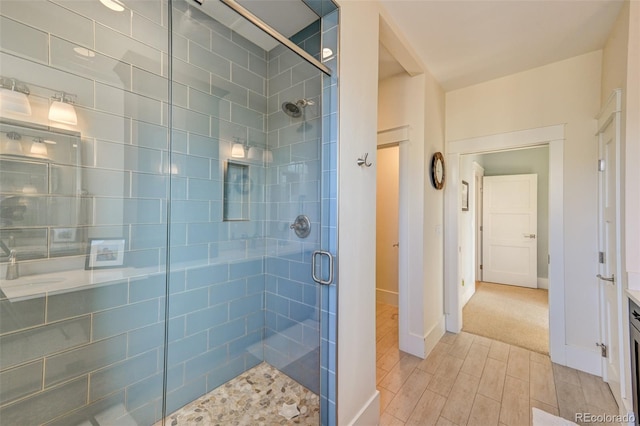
(13, 272)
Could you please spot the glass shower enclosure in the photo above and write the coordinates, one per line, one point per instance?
(167, 205)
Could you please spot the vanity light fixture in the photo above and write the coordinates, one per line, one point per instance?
(237, 150)
(38, 148)
(62, 110)
(13, 146)
(113, 5)
(13, 96)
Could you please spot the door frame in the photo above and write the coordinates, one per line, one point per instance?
(553, 136)
(478, 176)
(383, 294)
(610, 115)
(400, 136)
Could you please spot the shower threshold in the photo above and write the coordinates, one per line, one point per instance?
(253, 398)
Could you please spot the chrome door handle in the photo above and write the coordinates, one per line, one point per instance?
(532, 236)
(611, 280)
(317, 279)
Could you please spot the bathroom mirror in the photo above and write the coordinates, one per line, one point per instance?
(41, 203)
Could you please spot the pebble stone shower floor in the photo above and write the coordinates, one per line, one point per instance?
(253, 398)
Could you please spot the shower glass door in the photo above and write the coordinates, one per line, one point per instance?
(84, 190)
(246, 148)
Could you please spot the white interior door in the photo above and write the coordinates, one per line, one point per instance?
(510, 225)
(609, 268)
(388, 184)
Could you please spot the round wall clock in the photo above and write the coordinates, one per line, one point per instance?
(437, 170)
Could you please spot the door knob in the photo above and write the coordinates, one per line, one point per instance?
(611, 280)
(532, 236)
(396, 245)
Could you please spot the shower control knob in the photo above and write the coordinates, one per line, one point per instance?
(301, 226)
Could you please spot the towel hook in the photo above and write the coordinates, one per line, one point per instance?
(363, 161)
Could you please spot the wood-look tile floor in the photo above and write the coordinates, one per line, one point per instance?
(473, 380)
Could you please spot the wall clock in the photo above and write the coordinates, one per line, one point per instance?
(437, 170)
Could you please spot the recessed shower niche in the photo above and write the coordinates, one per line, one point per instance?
(237, 191)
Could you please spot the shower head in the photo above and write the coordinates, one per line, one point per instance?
(294, 109)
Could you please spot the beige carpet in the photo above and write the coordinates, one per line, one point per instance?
(515, 315)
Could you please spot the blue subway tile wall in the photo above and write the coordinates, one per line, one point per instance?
(239, 292)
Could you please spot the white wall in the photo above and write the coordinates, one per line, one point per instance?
(357, 394)
(418, 102)
(563, 92)
(632, 149)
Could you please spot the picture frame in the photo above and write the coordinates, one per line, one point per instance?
(63, 235)
(103, 253)
(465, 196)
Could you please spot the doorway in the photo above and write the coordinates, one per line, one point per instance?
(387, 240)
(508, 216)
(553, 137)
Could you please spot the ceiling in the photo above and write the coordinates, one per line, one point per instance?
(466, 42)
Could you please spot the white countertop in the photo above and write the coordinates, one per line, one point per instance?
(31, 286)
(634, 295)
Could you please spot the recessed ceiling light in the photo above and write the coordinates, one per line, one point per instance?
(113, 5)
(83, 51)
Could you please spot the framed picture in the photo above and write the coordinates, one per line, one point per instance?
(465, 196)
(105, 253)
(64, 235)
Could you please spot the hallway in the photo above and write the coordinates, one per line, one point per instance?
(473, 380)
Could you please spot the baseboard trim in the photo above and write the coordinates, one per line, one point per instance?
(386, 296)
(433, 336)
(583, 359)
(370, 413)
(543, 283)
(421, 346)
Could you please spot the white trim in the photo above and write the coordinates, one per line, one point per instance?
(557, 331)
(386, 296)
(554, 137)
(421, 346)
(504, 141)
(369, 414)
(543, 283)
(433, 336)
(408, 341)
(478, 172)
(393, 136)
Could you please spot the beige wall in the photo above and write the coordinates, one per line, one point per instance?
(564, 92)
(387, 225)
